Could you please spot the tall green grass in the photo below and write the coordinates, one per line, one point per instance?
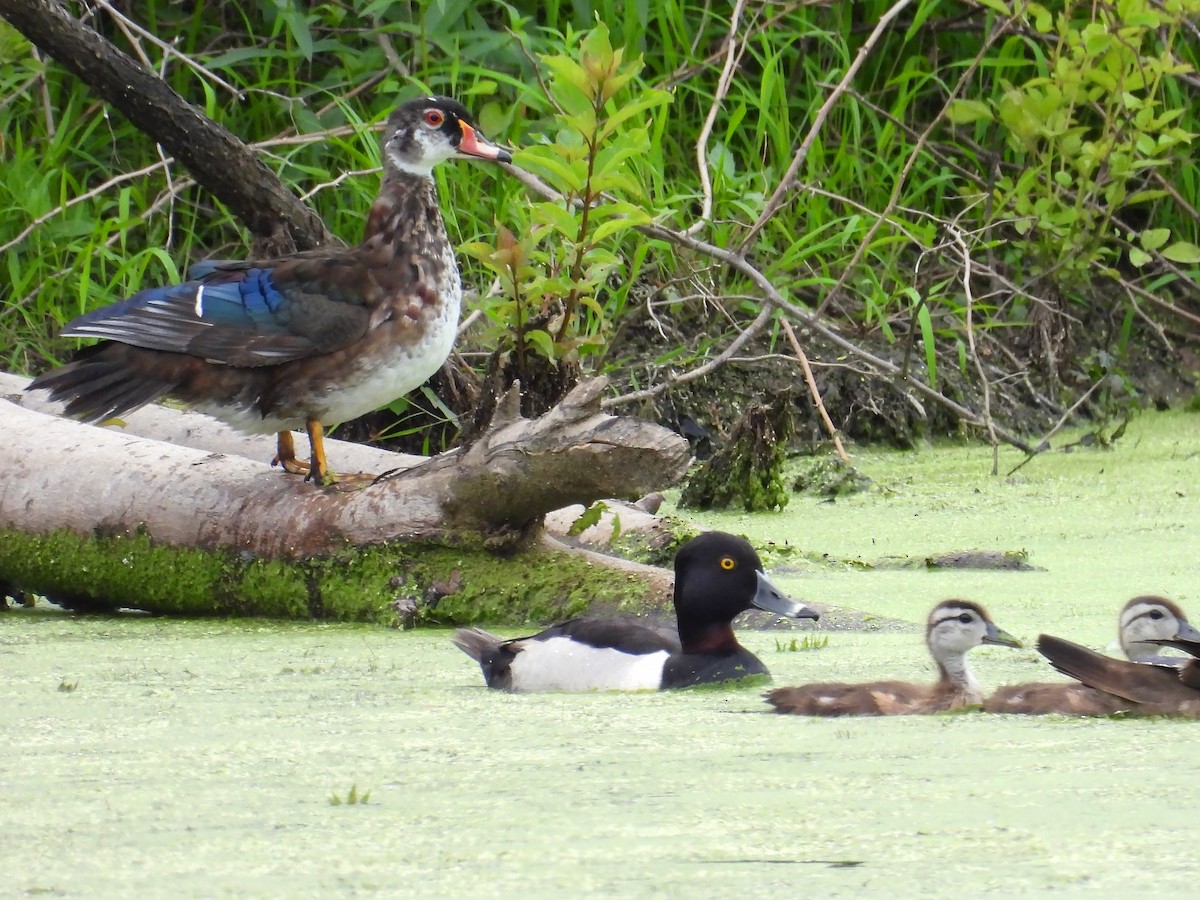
(898, 162)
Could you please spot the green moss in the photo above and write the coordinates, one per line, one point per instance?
(435, 583)
(534, 586)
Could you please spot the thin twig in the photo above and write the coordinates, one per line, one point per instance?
(957, 236)
(789, 178)
(812, 389)
(913, 156)
(128, 25)
(164, 163)
(775, 300)
(760, 321)
(733, 53)
(44, 92)
(1044, 444)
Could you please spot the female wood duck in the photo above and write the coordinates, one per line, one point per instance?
(717, 576)
(954, 627)
(1143, 623)
(1150, 688)
(316, 337)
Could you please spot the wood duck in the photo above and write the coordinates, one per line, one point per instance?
(954, 627)
(717, 576)
(321, 336)
(1143, 623)
(1150, 688)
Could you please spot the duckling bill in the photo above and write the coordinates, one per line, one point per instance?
(717, 576)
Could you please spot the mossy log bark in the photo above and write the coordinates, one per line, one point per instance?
(104, 517)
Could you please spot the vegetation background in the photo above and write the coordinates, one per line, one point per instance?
(989, 203)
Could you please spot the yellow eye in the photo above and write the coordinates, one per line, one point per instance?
(728, 563)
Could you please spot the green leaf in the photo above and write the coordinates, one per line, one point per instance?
(562, 175)
(588, 518)
(542, 342)
(1138, 257)
(558, 217)
(647, 101)
(1182, 252)
(566, 71)
(1153, 238)
(624, 223)
(965, 112)
(930, 344)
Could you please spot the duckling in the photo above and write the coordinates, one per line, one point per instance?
(1151, 689)
(954, 627)
(1143, 622)
(717, 576)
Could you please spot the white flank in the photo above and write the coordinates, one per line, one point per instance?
(200, 301)
(561, 664)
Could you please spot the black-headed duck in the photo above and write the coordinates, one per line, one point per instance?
(717, 576)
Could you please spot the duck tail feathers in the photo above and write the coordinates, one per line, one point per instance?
(476, 643)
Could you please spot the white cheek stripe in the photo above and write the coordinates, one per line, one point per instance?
(561, 664)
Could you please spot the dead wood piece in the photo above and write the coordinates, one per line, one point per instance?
(80, 477)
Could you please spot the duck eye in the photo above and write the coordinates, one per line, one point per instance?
(965, 618)
(434, 117)
(728, 563)
(1156, 614)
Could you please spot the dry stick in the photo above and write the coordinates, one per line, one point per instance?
(1044, 444)
(918, 147)
(811, 320)
(130, 28)
(957, 236)
(812, 389)
(44, 92)
(733, 52)
(308, 138)
(760, 321)
(793, 171)
(775, 300)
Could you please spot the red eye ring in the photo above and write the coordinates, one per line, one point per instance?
(728, 563)
(434, 117)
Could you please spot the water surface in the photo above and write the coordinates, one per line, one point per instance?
(199, 758)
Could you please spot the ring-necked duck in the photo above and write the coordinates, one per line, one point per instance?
(717, 576)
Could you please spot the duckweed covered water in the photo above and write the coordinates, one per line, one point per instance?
(200, 758)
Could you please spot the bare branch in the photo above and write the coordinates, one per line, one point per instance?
(789, 178)
(733, 53)
(812, 389)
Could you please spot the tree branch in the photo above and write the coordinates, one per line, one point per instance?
(219, 161)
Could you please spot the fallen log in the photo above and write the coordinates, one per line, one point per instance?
(108, 517)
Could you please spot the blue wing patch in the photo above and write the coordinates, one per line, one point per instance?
(227, 312)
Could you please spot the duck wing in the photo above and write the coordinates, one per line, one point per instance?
(247, 313)
(1157, 688)
(626, 634)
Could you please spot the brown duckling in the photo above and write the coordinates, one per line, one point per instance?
(954, 627)
(1151, 689)
(1143, 622)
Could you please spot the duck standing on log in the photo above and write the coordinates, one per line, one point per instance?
(322, 336)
